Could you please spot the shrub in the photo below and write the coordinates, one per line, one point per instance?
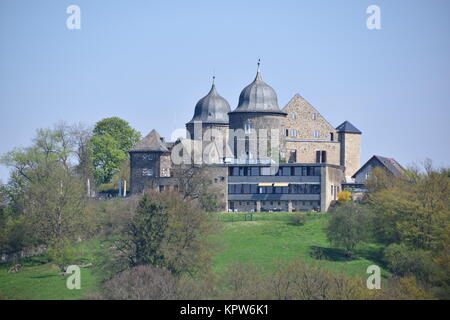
(405, 261)
(62, 253)
(298, 219)
(349, 225)
(344, 196)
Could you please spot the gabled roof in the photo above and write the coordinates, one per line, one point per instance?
(152, 142)
(346, 126)
(389, 164)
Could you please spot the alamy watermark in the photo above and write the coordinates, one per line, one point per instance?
(374, 280)
(74, 280)
(374, 20)
(73, 21)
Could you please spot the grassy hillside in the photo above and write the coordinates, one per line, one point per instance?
(271, 239)
(40, 280)
(265, 238)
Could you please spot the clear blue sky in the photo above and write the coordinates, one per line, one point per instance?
(149, 62)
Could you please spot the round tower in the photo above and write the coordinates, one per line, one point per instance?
(255, 124)
(210, 120)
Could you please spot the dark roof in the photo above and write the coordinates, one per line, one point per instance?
(258, 96)
(346, 126)
(388, 163)
(212, 108)
(152, 142)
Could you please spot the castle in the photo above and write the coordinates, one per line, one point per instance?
(260, 157)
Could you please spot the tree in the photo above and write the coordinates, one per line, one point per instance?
(349, 225)
(414, 209)
(405, 261)
(43, 187)
(112, 139)
(107, 157)
(167, 231)
(62, 253)
(146, 233)
(195, 183)
(120, 130)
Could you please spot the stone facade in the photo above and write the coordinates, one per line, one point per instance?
(309, 124)
(149, 170)
(254, 126)
(350, 153)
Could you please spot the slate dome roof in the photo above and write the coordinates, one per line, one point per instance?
(258, 96)
(212, 108)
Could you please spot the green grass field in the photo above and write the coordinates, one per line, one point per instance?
(265, 238)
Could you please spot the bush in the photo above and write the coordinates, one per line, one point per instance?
(349, 225)
(298, 219)
(344, 196)
(405, 261)
(62, 253)
(153, 283)
(294, 280)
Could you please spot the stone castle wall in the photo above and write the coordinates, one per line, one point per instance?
(350, 153)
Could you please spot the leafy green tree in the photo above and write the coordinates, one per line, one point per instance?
(414, 209)
(349, 225)
(405, 261)
(107, 157)
(44, 188)
(120, 130)
(112, 139)
(62, 253)
(146, 234)
(167, 231)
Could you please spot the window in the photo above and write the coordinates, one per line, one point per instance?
(265, 171)
(292, 156)
(248, 127)
(287, 132)
(293, 115)
(331, 136)
(367, 175)
(147, 172)
(314, 116)
(285, 171)
(161, 188)
(316, 134)
(293, 132)
(254, 171)
(321, 156)
(148, 157)
(234, 171)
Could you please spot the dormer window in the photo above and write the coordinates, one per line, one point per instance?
(314, 116)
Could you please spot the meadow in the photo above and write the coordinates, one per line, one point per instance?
(267, 239)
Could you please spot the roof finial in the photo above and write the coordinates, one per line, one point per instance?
(259, 63)
(214, 76)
